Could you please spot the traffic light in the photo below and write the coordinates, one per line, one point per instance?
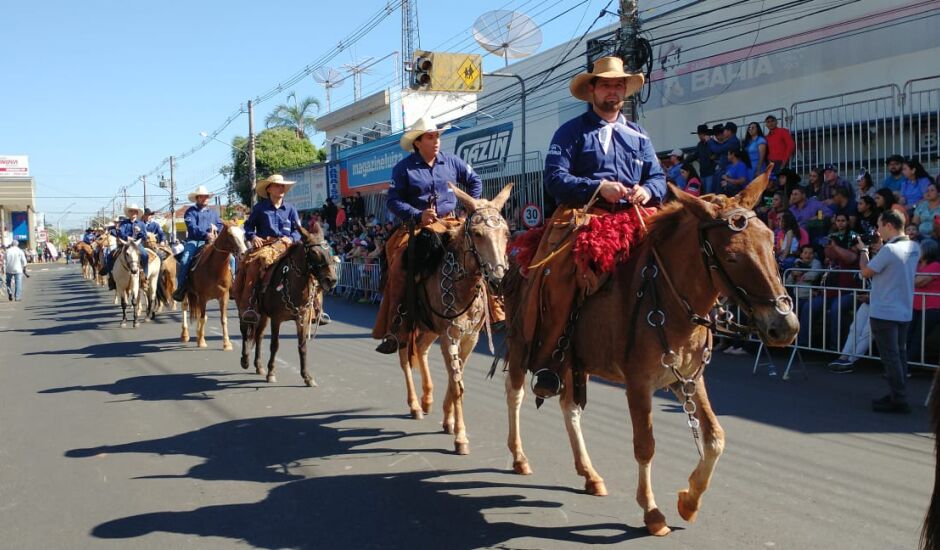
(421, 70)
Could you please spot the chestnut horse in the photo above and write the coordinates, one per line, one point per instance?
(648, 327)
(454, 304)
(211, 279)
(102, 245)
(86, 255)
(294, 292)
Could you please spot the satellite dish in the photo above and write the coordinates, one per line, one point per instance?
(509, 34)
(330, 78)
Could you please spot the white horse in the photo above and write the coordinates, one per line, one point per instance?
(148, 285)
(126, 273)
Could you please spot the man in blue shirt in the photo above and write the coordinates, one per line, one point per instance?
(202, 226)
(419, 196)
(130, 229)
(152, 227)
(724, 140)
(895, 178)
(735, 176)
(702, 154)
(675, 171)
(89, 236)
(271, 228)
(599, 156)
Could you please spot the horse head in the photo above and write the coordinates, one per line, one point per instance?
(487, 233)
(130, 255)
(319, 258)
(737, 249)
(231, 239)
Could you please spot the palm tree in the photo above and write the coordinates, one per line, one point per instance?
(296, 117)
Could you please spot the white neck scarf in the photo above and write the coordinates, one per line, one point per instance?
(620, 125)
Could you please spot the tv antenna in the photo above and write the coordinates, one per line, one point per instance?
(330, 78)
(509, 34)
(357, 70)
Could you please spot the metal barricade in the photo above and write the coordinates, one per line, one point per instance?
(356, 280)
(921, 135)
(855, 130)
(527, 188)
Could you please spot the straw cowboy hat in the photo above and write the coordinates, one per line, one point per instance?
(421, 126)
(201, 190)
(261, 188)
(130, 208)
(605, 67)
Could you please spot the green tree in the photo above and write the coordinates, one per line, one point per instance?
(276, 150)
(297, 117)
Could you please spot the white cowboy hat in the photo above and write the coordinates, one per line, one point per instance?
(201, 190)
(131, 207)
(605, 67)
(261, 188)
(421, 126)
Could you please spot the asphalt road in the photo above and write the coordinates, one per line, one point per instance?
(126, 438)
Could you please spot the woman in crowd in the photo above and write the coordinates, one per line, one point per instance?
(788, 240)
(885, 199)
(814, 189)
(915, 183)
(756, 146)
(778, 206)
(926, 305)
(864, 186)
(866, 222)
(693, 185)
(927, 209)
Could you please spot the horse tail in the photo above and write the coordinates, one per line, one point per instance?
(930, 535)
(165, 287)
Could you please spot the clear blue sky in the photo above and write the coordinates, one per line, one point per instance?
(98, 92)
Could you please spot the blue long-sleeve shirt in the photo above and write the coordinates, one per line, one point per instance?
(267, 221)
(720, 150)
(154, 227)
(577, 161)
(88, 238)
(199, 220)
(414, 183)
(131, 229)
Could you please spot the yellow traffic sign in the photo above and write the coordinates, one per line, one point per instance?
(469, 72)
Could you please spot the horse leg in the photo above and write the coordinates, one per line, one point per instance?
(223, 313)
(135, 303)
(258, 336)
(515, 393)
(246, 340)
(123, 312)
(713, 445)
(427, 385)
(571, 413)
(275, 343)
(411, 398)
(203, 318)
(456, 385)
(184, 308)
(640, 401)
(303, 326)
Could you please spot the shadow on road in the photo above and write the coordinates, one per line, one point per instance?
(377, 510)
(163, 387)
(111, 350)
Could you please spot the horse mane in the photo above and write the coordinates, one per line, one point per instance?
(661, 225)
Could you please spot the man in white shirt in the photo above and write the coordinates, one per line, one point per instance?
(15, 261)
(892, 274)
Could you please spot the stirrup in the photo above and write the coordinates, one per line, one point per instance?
(546, 383)
(389, 344)
(250, 317)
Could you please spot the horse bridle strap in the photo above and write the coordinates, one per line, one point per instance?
(493, 220)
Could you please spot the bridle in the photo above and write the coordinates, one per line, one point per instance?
(491, 217)
(316, 262)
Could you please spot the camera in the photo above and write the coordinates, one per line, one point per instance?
(868, 238)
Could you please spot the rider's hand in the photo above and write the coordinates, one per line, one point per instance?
(257, 242)
(612, 191)
(638, 195)
(428, 216)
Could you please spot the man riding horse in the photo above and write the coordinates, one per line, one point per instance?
(420, 197)
(202, 226)
(598, 158)
(271, 228)
(130, 228)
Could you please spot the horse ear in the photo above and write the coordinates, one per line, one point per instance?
(702, 210)
(466, 200)
(500, 199)
(304, 233)
(750, 195)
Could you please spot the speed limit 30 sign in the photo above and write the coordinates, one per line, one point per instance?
(531, 215)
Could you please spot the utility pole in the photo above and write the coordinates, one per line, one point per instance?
(172, 203)
(629, 31)
(144, 180)
(252, 171)
(124, 191)
(523, 121)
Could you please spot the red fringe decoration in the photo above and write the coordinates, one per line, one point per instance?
(607, 240)
(524, 246)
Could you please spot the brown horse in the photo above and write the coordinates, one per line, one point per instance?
(103, 244)
(86, 255)
(648, 328)
(930, 535)
(166, 284)
(293, 293)
(211, 279)
(453, 306)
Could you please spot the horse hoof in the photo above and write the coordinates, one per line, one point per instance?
(656, 523)
(448, 428)
(227, 346)
(203, 345)
(311, 383)
(123, 325)
(136, 324)
(522, 467)
(596, 488)
(184, 338)
(687, 508)
(462, 447)
(259, 370)
(244, 362)
(271, 378)
(426, 406)
(417, 414)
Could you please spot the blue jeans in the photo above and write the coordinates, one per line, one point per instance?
(144, 258)
(15, 280)
(708, 184)
(891, 338)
